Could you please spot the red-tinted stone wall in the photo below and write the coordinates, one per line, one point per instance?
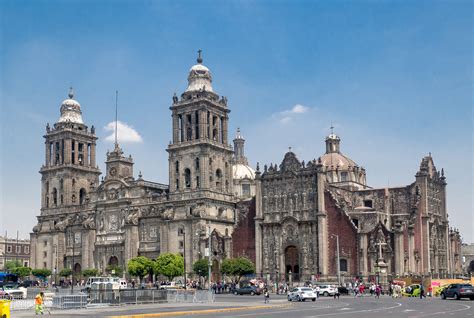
(340, 224)
(243, 238)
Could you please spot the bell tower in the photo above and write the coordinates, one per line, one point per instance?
(200, 158)
(70, 166)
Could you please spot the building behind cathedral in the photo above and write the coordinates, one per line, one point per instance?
(283, 217)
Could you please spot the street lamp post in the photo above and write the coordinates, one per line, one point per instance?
(337, 259)
(209, 256)
(72, 262)
(184, 257)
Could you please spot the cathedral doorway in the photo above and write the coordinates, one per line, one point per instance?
(292, 261)
(113, 261)
(77, 272)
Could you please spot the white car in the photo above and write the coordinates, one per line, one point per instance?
(301, 294)
(13, 292)
(327, 290)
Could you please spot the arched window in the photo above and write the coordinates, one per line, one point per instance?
(343, 265)
(187, 178)
(61, 185)
(73, 183)
(218, 179)
(214, 134)
(196, 164)
(198, 182)
(55, 197)
(82, 196)
(62, 199)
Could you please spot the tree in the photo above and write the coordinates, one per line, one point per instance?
(200, 267)
(65, 272)
(237, 267)
(21, 271)
(89, 272)
(114, 270)
(140, 266)
(169, 265)
(10, 265)
(41, 273)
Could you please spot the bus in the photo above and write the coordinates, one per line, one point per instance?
(8, 279)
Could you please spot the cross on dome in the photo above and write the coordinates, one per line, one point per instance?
(199, 59)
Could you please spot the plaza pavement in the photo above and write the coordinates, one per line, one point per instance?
(229, 306)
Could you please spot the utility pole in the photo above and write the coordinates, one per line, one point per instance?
(5, 253)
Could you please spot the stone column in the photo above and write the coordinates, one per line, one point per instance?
(54, 154)
(399, 252)
(193, 130)
(67, 151)
(364, 266)
(47, 153)
(202, 124)
(411, 249)
(86, 154)
(92, 161)
(224, 133)
(204, 161)
(175, 128)
(322, 227)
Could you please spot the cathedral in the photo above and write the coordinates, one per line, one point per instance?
(297, 220)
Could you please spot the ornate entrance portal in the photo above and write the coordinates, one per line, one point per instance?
(292, 261)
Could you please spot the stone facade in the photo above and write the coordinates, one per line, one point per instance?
(287, 218)
(85, 223)
(12, 249)
(301, 209)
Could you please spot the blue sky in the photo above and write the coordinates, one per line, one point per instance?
(394, 77)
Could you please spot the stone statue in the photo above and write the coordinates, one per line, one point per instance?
(175, 98)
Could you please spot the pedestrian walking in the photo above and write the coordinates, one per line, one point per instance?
(39, 300)
(337, 293)
(266, 296)
(422, 291)
(378, 290)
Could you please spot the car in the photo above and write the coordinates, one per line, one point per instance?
(247, 290)
(458, 291)
(13, 292)
(301, 294)
(413, 290)
(29, 283)
(327, 290)
(343, 290)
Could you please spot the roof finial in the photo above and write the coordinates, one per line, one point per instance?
(71, 93)
(289, 149)
(199, 59)
(332, 129)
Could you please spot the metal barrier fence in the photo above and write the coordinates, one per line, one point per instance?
(96, 298)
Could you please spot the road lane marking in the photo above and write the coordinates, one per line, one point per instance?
(199, 312)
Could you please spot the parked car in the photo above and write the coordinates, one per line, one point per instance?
(29, 283)
(301, 294)
(327, 290)
(458, 291)
(247, 290)
(343, 290)
(13, 292)
(413, 290)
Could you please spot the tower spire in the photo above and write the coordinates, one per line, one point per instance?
(116, 116)
(199, 59)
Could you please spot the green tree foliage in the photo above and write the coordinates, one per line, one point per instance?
(114, 270)
(237, 267)
(200, 267)
(169, 265)
(65, 272)
(41, 272)
(10, 265)
(90, 272)
(21, 271)
(140, 266)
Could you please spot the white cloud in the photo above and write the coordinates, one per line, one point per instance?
(125, 133)
(286, 116)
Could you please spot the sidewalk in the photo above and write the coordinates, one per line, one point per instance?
(159, 309)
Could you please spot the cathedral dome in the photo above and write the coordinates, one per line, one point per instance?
(199, 78)
(337, 160)
(71, 110)
(242, 171)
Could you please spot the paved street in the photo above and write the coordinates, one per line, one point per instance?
(227, 306)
